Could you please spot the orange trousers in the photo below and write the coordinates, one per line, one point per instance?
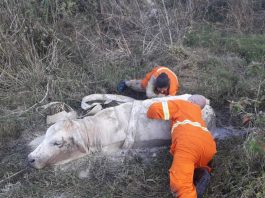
(187, 156)
(192, 144)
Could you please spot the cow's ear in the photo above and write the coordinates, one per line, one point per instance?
(81, 148)
(68, 124)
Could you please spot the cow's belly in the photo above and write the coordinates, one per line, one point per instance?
(142, 131)
(150, 133)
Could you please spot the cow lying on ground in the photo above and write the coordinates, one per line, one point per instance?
(123, 126)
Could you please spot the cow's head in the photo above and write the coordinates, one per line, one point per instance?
(64, 141)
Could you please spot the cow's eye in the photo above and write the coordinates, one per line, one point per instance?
(58, 143)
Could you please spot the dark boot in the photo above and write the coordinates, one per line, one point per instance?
(201, 181)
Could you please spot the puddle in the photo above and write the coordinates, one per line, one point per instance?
(227, 132)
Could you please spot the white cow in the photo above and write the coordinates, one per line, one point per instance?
(111, 129)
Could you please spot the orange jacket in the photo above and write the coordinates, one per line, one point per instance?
(192, 144)
(174, 84)
(183, 134)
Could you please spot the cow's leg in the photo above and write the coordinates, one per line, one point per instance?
(87, 101)
(134, 85)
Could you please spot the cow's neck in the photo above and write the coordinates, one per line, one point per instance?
(97, 137)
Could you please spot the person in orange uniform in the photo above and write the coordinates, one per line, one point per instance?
(161, 81)
(192, 146)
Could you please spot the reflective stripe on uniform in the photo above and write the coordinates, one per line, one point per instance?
(196, 124)
(164, 68)
(165, 110)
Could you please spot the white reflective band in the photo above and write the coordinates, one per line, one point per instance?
(196, 124)
(165, 110)
(167, 70)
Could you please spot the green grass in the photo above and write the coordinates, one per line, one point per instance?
(237, 174)
(250, 47)
(220, 81)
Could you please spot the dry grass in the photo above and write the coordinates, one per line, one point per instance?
(63, 50)
(134, 173)
(235, 174)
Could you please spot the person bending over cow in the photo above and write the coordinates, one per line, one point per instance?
(192, 146)
(161, 81)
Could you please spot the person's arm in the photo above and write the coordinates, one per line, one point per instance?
(147, 77)
(172, 92)
(155, 111)
(150, 93)
(173, 89)
(135, 85)
(163, 110)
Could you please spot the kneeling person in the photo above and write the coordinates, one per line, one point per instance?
(161, 81)
(192, 146)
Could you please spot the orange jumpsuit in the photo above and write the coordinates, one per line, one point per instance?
(174, 84)
(192, 144)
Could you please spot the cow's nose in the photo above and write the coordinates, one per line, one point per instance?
(31, 160)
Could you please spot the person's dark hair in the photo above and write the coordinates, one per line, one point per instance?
(162, 81)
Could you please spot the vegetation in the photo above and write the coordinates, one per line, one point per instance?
(62, 50)
(248, 47)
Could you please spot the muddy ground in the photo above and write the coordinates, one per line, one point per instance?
(129, 173)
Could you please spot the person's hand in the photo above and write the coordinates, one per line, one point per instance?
(121, 86)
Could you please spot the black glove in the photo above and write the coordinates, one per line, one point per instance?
(121, 86)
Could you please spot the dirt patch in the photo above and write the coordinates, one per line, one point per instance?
(128, 173)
